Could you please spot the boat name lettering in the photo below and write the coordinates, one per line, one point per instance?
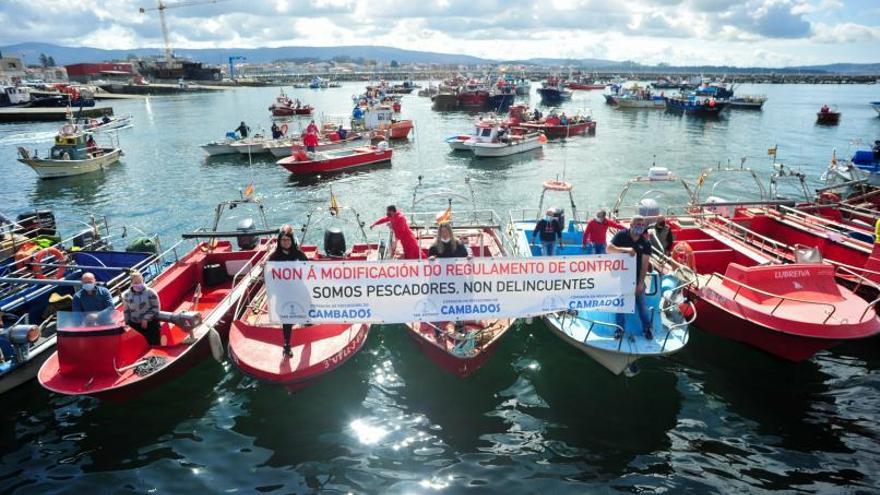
(792, 274)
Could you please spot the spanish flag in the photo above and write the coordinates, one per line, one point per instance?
(445, 217)
(701, 179)
(772, 151)
(834, 157)
(334, 206)
(249, 190)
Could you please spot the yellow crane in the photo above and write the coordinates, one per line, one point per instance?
(161, 7)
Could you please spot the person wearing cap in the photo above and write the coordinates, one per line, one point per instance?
(633, 241)
(287, 250)
(550, 231)
(595, 236)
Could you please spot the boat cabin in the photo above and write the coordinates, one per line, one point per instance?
(70, 145)
(14, 95)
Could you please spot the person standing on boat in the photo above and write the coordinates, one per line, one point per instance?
(400, 226)
(447, 245)
(661, 236)
(550, 231)
(91, 145)
(276, 131)
(243, 129)
(596, 233)
(141, 309)
(312, 127)
(91, 298)
(310, 140)
(287, 250)
(634, 242)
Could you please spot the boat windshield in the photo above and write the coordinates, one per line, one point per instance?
(99, 320)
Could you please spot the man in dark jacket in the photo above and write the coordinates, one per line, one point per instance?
(549, 229)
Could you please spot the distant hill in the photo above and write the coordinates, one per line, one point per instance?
(70, 55)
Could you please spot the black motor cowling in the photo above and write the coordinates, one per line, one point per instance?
(43, 221)
(334, 242)
(246, 242)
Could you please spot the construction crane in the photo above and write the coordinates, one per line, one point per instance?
(161, 7)
(232, 66)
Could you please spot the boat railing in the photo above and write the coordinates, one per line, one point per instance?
(246, 269)
(810, 219)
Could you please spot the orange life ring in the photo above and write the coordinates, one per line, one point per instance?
(284, 129)
(683, 253)
(56, 253)
(557, 185)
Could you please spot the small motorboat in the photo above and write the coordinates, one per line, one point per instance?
(553, 125)
(615, 341)
(104, 124)
(748, 102)
(827, 116)
(380, 121)
(99, 355)
(458, 348)
(222, 147)
(706, 106)
(585, 86)
(256, 345)
(503, 141)
(304, 163)
(252, 145)
(281, 148)
(71, 155)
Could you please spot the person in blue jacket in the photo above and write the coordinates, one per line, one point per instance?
(91, 298)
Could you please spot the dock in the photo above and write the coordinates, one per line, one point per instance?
(157, 89)
(49, 114)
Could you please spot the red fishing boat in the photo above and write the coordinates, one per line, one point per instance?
(473, 97)
(553, 126)
(826, 116)
(99, 355)
(256, 345)
(285, 107)
(459, 348)
(584, 86)
(302, 163)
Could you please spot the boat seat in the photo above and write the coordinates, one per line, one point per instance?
(235, 266)
(814, 282)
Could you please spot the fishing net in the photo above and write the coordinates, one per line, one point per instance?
(151, 364)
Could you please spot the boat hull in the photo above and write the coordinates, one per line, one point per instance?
(491, 150)
(27, 371)
(550, 96)
(284, 150)
(473, 100)
(586, 87)
(562, 131)
(217, 149)
(460, 366)
(54, 169)
(639, 103)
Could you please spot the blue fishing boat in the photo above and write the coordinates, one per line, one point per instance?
(39, 281)
(696, 105)
(614, 340)
(553, 91)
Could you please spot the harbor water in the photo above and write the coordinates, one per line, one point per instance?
(540, 416)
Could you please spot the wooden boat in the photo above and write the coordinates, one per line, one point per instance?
(473, 97)
(70, 156)
(460, 349)
(495, 141)
(615, 341)
(380, 121)
(256, 345)
(826, 116)
(99, 356)
(553, 92)
(444, 101)
(303, 163)
(552, 126)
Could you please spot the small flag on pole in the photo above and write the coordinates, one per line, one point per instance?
(701, 179)
(334, 206)
(834, 157)
(772, 151)
(445, 217)
(249, 190)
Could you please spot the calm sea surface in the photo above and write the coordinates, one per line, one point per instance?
(539, 417)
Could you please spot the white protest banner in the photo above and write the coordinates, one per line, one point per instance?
(403, 291)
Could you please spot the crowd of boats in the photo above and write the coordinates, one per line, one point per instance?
(789, 275)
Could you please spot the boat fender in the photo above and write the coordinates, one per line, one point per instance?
(216, 345)
(56, 253)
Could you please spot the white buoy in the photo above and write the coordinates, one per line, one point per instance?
(216, 345)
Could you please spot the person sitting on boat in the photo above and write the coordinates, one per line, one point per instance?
(310, 140)
(312, 127)
(595, 235)
(552, 119)
(447, 245)
(661, 236)
(563, 119)
(537, 115)
(105, 119)
(141, 309)
(402, 232)
(341, 132)
(633, 242)
(91, 145)
(825, 109)
(549, 230)
(91, 297)
(287, 250)
(242, 129)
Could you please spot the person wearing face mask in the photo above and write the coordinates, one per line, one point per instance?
(447, 245)
(141, 309)
(633, 241)
(550, 231)
(596, 233)
(661, 236)
(91, 298)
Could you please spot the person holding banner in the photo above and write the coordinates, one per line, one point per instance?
(447, 245)
(634, 242)
(550, 231)
(402, 232)
(287, 250)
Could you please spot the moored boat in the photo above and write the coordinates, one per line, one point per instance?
(495, 140)
(696, 105)
(303, 163)
(553, 125)
(286, 107)
(281, 148)
(748, 102)
(71, 155)
(827, 116)
(553, 91)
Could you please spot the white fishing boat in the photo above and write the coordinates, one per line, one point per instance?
(104, 124)
(281, 148)
(748, 102)
(223, 147)
(71, 155)
(252, 145)
(494, 140)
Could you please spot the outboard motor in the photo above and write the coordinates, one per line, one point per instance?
(43, 221)
(246, 242)
(186, 320)
(334, 242)
(19, 338)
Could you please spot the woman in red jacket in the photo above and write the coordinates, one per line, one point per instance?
(595, 235)
(402, 232)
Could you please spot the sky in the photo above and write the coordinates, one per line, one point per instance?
(761, 33)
